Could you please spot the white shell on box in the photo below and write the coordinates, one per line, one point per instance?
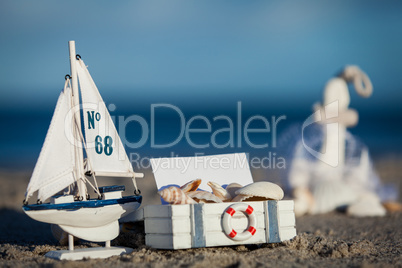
(204, 197)
(262, 189)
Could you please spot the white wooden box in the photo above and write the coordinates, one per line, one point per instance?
(201, 225)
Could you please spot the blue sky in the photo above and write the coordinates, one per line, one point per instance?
(262, 51)
(203, 56)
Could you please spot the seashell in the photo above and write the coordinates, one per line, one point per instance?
(248, 198)
(392, 206)
(191, 186)
(204, 197)
(174, 195)
(240, 198)
(220, 192)
(368, 204)
(329, 195)
(303, 201)
(232, 188)
(259, 191)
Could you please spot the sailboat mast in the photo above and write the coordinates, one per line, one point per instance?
(78, 144)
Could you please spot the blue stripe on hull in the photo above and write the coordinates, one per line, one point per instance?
(93, 203)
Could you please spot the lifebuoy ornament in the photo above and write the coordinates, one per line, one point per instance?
(227, 222)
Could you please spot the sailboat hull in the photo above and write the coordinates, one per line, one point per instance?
(96, 234)
(84, 214)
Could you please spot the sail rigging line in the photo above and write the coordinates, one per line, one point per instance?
(93, 187)
(96, 188)
(82, 191)
(78, 176)
(88, 161)
(75, 130)
(136, 190)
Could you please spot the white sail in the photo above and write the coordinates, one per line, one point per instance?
(105, 150)
(54, 169)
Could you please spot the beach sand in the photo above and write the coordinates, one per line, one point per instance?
(333, 239)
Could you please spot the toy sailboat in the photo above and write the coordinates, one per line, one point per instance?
(62, 174)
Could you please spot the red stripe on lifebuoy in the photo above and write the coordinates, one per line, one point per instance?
(249, 210)
(252, 230)
(233, 233)
(230, 211)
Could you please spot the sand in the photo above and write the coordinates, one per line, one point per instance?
(333, 239)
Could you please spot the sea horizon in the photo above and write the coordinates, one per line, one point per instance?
(26, 128)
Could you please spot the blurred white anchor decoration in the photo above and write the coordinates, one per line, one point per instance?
(329, 182)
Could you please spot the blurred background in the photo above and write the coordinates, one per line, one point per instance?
(203, 57)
